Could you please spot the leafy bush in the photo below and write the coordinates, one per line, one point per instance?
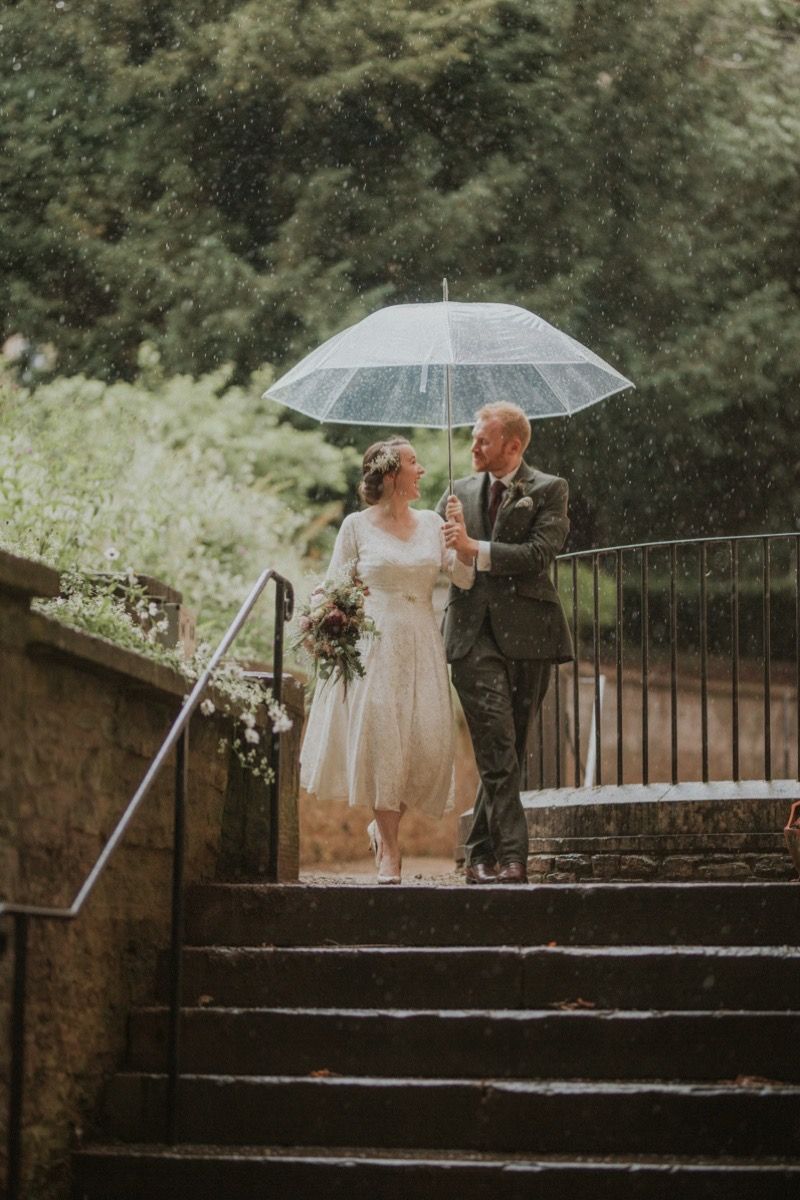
(196, 482)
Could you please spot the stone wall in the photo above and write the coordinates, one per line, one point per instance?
(689, 831)
(80, 721)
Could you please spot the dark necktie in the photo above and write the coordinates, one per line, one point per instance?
(495, 500)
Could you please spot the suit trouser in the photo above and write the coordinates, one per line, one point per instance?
(499, 696)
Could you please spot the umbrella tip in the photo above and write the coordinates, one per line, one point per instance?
(444, 289)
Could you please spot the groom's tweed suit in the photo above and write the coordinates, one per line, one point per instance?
(501, 637)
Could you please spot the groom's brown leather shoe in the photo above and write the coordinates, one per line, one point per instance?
(513, 872)
(479, 872)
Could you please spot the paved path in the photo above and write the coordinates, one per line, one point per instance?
(418, 871)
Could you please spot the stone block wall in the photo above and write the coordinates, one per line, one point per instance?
(80, 721)
(690, 831)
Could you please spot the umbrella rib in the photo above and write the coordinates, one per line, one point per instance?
(555, 392)
(451, 364)
(352, 372)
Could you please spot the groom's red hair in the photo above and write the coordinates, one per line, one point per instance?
(511, 417)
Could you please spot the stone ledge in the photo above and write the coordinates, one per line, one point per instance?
(680, 810)
(719, 830)
(23, 578)
(664, 793)
(657, 843)
(576, 867)
(49, 638)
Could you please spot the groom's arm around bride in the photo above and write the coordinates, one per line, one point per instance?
(502, 636)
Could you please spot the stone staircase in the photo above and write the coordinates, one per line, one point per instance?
(589, 1040)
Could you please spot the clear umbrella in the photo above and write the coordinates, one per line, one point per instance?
(435, 365)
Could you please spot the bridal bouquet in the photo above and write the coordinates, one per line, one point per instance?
(331, 624)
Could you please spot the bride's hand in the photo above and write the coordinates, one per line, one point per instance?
(456, 538)
(455, 510)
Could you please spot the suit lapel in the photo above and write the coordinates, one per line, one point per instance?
(523, 477)
(474, 494)
(475, 499)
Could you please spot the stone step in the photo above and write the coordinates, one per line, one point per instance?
(570, 1044)
(639, 977)
(746, 807)
(724, 914)
(347, 1173)
(704, 831)
(536, 1117)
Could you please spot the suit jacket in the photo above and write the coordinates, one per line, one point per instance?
(517, 593)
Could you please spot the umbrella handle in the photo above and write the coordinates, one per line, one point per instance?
(449, 430)
(449, 375)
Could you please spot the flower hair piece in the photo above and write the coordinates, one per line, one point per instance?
(385, 462)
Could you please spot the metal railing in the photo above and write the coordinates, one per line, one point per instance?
(673, 608)
(178, 739)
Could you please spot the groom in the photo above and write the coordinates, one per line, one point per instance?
(502, 636)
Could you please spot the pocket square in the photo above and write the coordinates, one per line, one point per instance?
(525, 502)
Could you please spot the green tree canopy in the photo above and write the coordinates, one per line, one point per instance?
(235, 181)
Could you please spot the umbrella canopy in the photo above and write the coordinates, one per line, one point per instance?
(394, 368)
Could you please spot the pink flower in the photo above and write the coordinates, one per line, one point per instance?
(335, 622)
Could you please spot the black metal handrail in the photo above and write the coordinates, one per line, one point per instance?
(178, 739)
(572, 565)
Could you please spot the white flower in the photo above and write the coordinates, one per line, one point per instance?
(111, 553)
(248, 719)
(282, 723)
(252, 736)
(385, 462)
(15, 347)
(207, 708)
(152, 608)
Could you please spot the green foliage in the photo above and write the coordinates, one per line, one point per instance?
(114, 608)
(163, 478)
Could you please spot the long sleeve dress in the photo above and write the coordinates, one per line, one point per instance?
(390, 739)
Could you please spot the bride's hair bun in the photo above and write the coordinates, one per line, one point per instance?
(381, 459)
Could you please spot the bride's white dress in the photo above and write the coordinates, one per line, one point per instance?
(390, 740)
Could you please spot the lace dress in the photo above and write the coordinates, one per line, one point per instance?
(390, 740)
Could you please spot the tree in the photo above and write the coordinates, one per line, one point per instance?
(235, 182)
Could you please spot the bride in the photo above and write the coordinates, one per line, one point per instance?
(388, 741)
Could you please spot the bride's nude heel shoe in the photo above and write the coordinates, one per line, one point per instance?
(376, 845)
(388, 878)
(375, 842)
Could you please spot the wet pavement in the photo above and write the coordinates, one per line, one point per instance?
(420, 871)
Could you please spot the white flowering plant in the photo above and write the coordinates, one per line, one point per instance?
(116, 608)
(332, 627)
(241, 699)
